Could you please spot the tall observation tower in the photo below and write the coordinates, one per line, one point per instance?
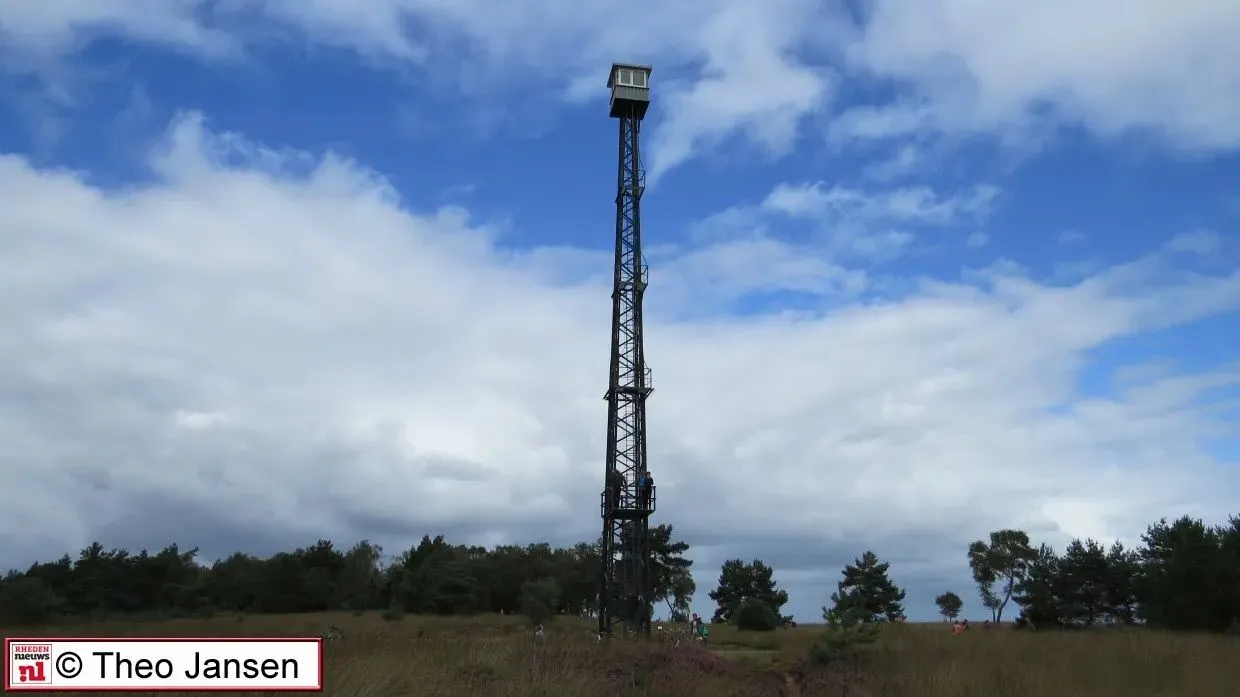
(628, 495)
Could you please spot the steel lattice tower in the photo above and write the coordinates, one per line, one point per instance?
(625, 581)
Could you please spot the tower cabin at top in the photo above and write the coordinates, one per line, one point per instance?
(630, 90)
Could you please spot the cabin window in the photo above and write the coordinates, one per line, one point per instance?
(630, 78)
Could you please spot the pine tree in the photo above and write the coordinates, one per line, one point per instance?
(867, 588)
(949, 605)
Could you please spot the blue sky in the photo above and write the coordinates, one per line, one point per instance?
(919, 271)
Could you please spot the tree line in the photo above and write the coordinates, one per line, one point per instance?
(431, 577)
(1183, 575)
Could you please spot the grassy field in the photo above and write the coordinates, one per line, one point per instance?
(490, 655)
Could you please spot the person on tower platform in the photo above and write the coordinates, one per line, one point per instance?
(645, 485)
(615, 483)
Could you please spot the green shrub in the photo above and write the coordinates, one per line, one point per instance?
(755, 616)
(393, 613)
(539, 600)
(849, 628)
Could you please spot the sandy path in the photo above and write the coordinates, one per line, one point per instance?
(791, 684)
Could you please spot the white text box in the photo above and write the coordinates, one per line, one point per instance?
(164, 664)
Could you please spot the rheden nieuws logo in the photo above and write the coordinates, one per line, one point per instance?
(30, 664)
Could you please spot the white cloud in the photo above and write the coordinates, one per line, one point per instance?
(704, 281)
(1170, 68)
(977, 239)
(914, 204)
(1196, 242)
(732, 67)
(876, 226)
(268, 343)
(49, 28)
(903, 162)
(878, 122)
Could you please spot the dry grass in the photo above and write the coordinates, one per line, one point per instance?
(928, 661)
(495, 656)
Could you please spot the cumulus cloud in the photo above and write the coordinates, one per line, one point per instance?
(977, 239)
(1196, 242)
(1170, 69)
(877, 226)
(45, 29)
(729, 68)
(258, 347)
(1071, 237)
(905, 161)
(798, 242)
(914, 204)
